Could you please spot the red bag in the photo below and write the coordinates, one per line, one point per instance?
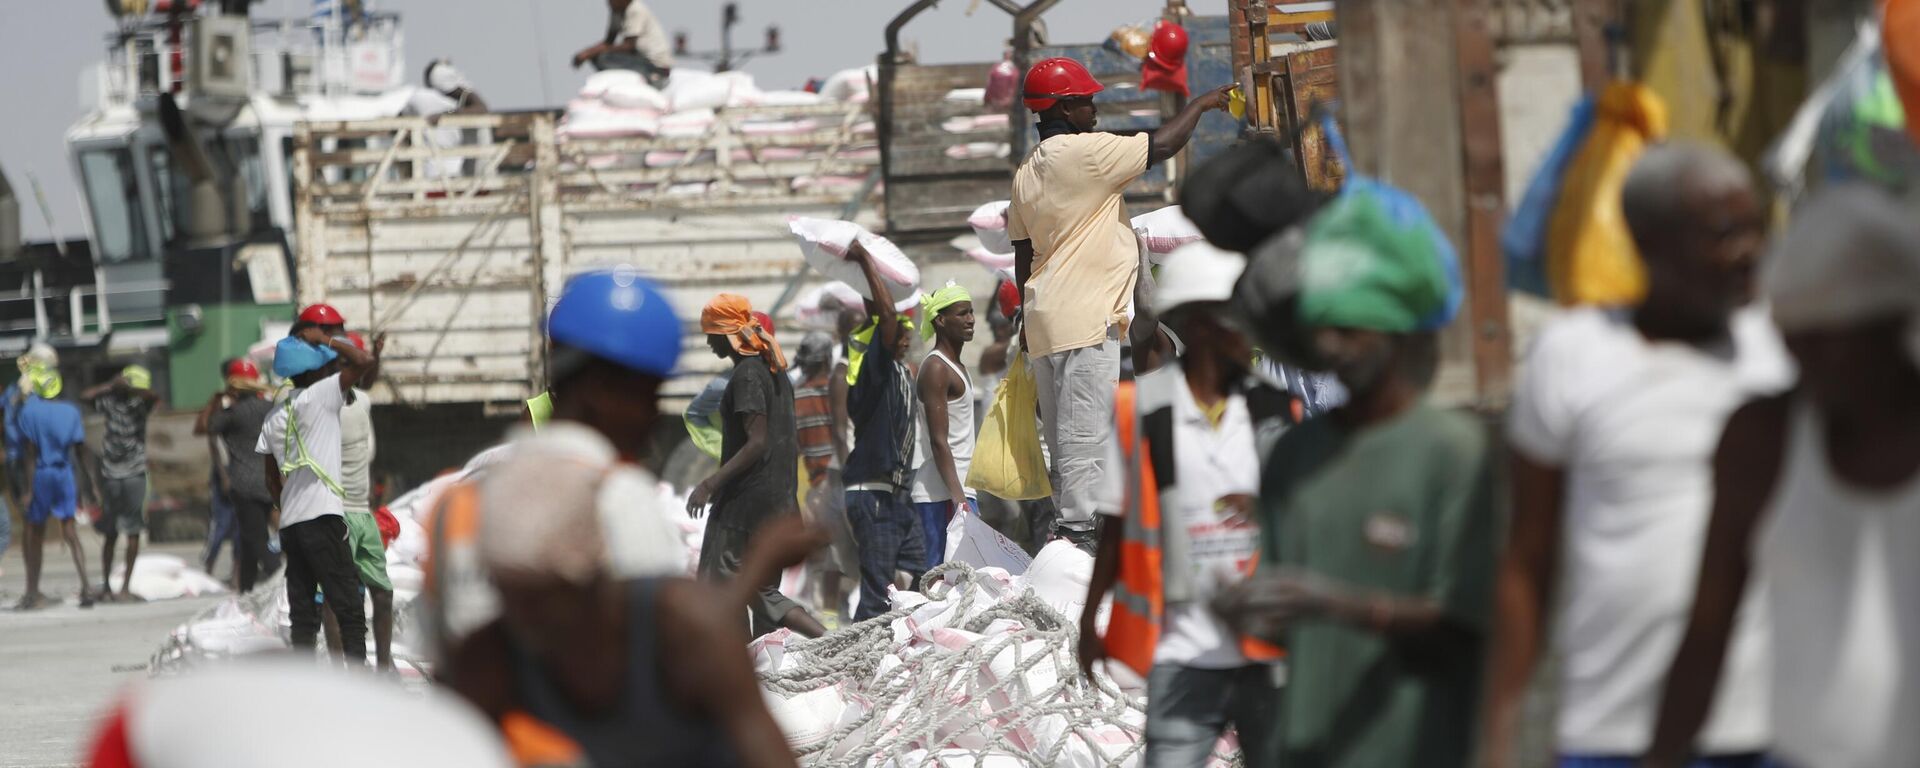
(389, 526)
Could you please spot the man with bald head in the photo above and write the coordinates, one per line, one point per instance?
(1612, 432)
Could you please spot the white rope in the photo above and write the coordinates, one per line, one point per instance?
(925, 686)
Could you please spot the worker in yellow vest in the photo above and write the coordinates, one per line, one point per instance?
(1179, 524)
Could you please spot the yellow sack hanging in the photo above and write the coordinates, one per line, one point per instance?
(1007, 461)
(1590, 255)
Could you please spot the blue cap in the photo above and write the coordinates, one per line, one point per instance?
(618, 316)
(293, 356)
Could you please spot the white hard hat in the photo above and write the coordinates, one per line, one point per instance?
(1196, 272)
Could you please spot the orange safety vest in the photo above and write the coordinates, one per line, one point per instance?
(1139, 595)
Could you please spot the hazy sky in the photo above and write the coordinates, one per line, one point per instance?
(501, 45)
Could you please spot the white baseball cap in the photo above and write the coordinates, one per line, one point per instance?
(1197, 272)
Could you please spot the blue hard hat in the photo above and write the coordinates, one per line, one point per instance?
(619, 316)
(294, 356)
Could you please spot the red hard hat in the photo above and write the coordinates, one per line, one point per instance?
(1054, 79)
(1009, 299)
(322, 314)
(1170, 43)
(765, 321)
(243, 367)
(357, 339)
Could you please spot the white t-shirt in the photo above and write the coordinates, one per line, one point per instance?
(1634, 426)
(356, 452)
(650, 39)
(1211, 463)
(316, 411)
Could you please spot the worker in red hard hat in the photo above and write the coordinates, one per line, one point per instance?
(1076, 262)
(1165, 66)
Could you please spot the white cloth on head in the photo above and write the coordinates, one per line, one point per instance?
(1633, 425)
(445, 79)
(316, 412)
(1852, 255)
(563, 504)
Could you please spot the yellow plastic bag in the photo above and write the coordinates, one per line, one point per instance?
(1590, 255)
(1007, 461)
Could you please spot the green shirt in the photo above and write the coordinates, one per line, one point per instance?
(1406, 508)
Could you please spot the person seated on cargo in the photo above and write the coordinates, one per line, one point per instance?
(1076, 262)
(635, 40)
(759, 458)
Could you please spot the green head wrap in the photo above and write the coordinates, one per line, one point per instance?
(932, 303)
(1374, 260)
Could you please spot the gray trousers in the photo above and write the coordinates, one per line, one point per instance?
(1188, 709)
(1076, 422)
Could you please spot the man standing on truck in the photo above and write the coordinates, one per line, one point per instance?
(125, 403)
(1076, 261)
(301, 441)
(759, 457)
(635, 40)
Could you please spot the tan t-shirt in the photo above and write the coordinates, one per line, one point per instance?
(1066, 199)
(639, 22)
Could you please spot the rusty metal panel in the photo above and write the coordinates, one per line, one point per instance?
(1312, 77)
(1530, 21)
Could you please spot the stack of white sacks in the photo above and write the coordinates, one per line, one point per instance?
(620, 104)
(165, 577)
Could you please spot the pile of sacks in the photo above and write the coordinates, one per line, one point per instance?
(620, 104)
(976, 670)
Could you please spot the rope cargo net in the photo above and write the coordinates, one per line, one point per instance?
(975, 671)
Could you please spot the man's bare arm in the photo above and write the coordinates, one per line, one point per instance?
(837, 399)
(885, 317)
(1174, 133)
(275, 483)
(713, 674)
(1524, 583)
(1745, 468)
(933, 400)
(1022, 266)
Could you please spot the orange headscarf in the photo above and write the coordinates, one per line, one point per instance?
(731, 316)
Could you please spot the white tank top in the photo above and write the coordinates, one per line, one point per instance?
(928, 486)
(1842, 566)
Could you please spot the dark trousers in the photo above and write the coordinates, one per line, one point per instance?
(888, 532)
(317, 554)
(720, 560)
(252, 558)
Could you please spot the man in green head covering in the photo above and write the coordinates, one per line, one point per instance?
(945, 444)
(1376, 520)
